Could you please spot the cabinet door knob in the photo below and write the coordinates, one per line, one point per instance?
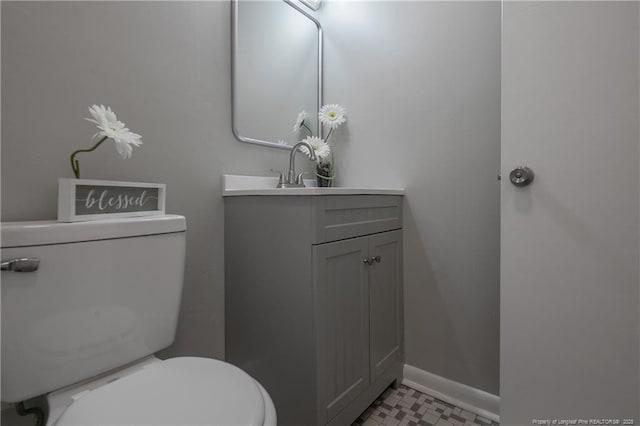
(369, 260)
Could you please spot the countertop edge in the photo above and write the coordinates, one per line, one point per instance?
(312, 191)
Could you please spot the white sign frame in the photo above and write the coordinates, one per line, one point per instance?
(67, 199)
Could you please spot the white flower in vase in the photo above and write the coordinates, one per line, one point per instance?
(321, 149)
(109, 128)
(332, 115)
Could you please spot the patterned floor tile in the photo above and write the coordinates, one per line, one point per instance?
(408, 407)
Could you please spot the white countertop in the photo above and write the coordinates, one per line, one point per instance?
(237, 185)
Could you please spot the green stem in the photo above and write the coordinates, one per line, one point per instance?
(325, 177)
(75, 165)
(328, 135)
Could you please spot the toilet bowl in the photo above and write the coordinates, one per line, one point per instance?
(82, 328)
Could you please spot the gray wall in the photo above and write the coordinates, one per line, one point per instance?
(164, 68)
(421, 82)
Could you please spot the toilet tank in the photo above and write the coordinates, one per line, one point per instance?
(106, 293)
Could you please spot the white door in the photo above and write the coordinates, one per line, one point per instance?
(569, 240)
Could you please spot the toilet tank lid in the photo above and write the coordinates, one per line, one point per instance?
(45, 232)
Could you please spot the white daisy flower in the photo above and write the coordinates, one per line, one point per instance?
(110, 127)
(320, 148)
(332, 115)
(300, 121)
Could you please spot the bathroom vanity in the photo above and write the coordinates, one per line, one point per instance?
(313, 297)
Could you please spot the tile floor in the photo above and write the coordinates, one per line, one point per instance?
(408, 407)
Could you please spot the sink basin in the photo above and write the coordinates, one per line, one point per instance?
(237, 185)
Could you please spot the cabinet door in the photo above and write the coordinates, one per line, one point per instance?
(385, 300)
(342, 323)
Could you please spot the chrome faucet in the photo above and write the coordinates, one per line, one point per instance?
(292, 180)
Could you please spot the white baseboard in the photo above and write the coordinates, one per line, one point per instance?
(466, 397)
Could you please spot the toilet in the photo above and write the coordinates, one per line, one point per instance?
(82, 328)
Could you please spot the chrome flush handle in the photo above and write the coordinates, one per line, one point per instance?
(23, 264)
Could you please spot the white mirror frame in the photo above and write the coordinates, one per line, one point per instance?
(234, 82)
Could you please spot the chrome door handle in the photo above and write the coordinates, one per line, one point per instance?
(23, 264)
(377, 258)
(521, 176)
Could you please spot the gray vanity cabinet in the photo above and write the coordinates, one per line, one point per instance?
(357, 285)
(385, 307)
(341, 283)
(313, 300)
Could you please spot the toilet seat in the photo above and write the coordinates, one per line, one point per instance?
(177, 391)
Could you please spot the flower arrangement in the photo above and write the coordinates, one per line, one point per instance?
(332, 116)
(109, 128)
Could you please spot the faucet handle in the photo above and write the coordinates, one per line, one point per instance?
(299, 178)
(281, 179)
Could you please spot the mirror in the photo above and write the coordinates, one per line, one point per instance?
(276, 71)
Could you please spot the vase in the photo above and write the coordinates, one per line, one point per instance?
(324, 175)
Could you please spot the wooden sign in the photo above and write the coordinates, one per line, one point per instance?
(84, 199)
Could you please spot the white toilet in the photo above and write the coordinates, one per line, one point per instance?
(82, 328)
